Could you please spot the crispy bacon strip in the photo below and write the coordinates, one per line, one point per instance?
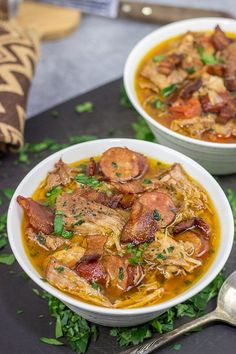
(152, 211)
(191, 87)
(167, 65)
(40, 217)
(219, 39)
(191, 224)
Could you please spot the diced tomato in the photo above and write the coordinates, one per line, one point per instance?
(186, 109)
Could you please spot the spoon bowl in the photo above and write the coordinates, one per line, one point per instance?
(226, 303)
(225, 312)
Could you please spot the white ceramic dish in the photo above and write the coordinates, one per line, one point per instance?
(120, 317)
(217, 158)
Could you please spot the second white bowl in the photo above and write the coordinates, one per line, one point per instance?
(217, 158)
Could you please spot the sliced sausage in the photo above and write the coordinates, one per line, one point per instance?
(190, 224)
(201, 245)
(152, 211)
(122, 165)
(41, 218)
(162, 204)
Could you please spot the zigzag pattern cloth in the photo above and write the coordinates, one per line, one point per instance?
(18, 56)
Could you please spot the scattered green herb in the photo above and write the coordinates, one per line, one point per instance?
(58, 223)
(156, 215)
(90, 181)
(158, 58)
(51, 341)
(170, 249)
(59, 269)
(233, 94)
(19, 312)
(147, 181)
(177, 346)
(161, 256)
(191, 70)
(206, 58)
(55, 114)
(114, 164)
(36, 291)
(52, 195)
(8, 192)
(7, 259)
(121, 274)
(124, 99)
(118, 174)
(67, 234)
(84, 107)
(166, 91)
(142, 130)
(95, 285)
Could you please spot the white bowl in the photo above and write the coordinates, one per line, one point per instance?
(217, 158)
(120, 317)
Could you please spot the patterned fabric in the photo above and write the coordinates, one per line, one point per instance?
(18, 56)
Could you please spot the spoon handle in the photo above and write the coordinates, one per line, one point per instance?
(152, 344)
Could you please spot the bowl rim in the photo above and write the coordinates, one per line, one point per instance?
(69, 300)
(209, 21)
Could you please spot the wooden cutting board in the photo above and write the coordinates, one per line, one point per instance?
(52, 22)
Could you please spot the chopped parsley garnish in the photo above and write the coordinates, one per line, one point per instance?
(58, 223)
(136, 252)
(59, 269)
(114, 164)
(79, 222)
(19, 312)
(67, 234)
(158, 58)
(166, 91)
(41, 239)
(121, 274)
(84, 107)
(156, 103)
(156, 215)
(147, 181)
(118, 174)
(88, 180)
(161, 256)
(52, 195)
(95, 285)
(187, 282)
(191, 70)
(170, 249)
(233, 94)
(207, 58)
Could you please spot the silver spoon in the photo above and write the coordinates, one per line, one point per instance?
(224, 312)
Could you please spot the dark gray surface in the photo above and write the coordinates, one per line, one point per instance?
(19, 334)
